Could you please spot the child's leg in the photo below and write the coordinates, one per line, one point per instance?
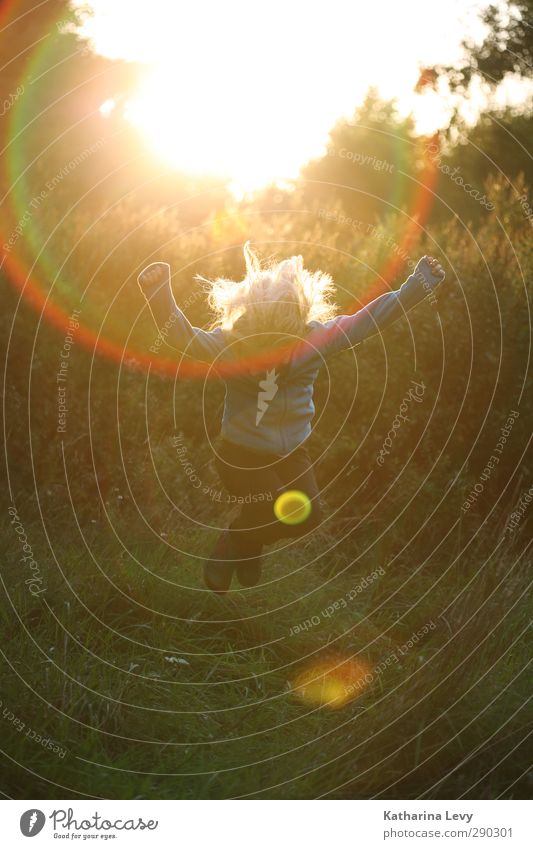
(251, 479)
(296, 472)
(258, 481)
(219, 569)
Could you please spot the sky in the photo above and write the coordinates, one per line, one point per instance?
(250, 89)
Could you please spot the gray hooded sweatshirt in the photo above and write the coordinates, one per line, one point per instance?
(271, 410)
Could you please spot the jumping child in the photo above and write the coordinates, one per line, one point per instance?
(272, 333)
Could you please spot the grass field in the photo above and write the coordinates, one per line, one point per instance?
(124, 678)
(152, 687)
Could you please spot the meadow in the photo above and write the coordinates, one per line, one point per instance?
(123, 676)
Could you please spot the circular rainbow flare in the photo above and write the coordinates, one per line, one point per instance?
(333, 683)
(32, 264)
(292, 507)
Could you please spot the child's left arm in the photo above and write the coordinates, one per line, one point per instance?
(174, 327)
(345, 331)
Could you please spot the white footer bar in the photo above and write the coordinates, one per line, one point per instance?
(265, 824)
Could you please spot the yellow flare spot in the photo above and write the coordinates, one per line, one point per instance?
(333, 683)
(228, 226)
(292, 507)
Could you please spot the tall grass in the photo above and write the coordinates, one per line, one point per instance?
(153, 687)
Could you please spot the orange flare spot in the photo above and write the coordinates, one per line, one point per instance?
(333, 683)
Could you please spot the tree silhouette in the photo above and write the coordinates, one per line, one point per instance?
(506, 49)
(368, 162)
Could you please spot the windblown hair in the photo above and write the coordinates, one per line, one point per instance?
(277, 300)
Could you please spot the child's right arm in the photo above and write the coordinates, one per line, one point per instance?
(174, 327)
(345, 331)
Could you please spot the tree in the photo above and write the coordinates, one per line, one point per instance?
(497, 145)
(368, 161)
(506, 49)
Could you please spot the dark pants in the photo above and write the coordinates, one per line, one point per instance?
(256, 480)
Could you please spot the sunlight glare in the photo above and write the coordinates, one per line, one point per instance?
(250, 93)
(333, 682)
(107, 107)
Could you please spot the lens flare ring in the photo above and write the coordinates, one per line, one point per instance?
(292, 507)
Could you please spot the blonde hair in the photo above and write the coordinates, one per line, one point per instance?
(276, 299)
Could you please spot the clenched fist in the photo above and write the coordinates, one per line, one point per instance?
(436, 268)
(153, 275)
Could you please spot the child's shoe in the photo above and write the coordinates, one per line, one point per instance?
(218, 571)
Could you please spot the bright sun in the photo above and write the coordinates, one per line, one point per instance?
(212, 126)
(250, 91)
(238, 97)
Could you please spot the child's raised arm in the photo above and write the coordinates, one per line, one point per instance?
(174, 328)
(345, 331)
